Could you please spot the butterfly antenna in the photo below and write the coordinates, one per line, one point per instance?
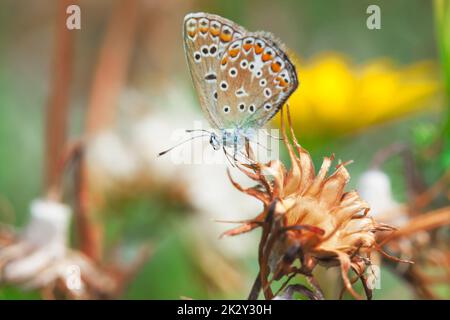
(179, 144)
(198, 130)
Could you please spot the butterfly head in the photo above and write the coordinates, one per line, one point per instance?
(234, 138)
(214, 141)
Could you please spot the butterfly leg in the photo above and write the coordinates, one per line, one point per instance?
(227, 156)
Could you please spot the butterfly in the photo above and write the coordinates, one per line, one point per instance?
(242, 78)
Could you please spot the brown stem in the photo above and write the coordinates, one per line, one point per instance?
(57, 108)
(109, 78)
(264, 269)
(256, 288)
(425, 222)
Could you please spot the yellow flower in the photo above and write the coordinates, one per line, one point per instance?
(335, 97)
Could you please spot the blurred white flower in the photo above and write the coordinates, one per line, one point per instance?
(43, 240)
(374, 186)
(109, 157)
(39, 257)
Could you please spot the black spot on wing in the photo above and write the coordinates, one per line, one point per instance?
(210, 77)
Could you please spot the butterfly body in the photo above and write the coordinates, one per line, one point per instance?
(242, 78)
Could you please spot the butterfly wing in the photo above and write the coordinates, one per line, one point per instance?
(206, 38)
(255, 78)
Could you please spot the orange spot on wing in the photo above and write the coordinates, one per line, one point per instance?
(225, 37)
(191, 33)
(276, 67)
(214, 31)
(224, 61)
(266, 57)
(258, 49)
(247, 46)
(283, 83)
(233, 52)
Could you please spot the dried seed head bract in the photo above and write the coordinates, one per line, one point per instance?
(308, 217)
(422, 222)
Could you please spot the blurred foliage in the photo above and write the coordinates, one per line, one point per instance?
(442, 18)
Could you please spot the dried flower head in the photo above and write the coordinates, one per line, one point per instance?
(310, 217)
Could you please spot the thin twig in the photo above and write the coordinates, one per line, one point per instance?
(109, 77)
(58, 104)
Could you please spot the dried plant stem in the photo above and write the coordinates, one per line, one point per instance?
(256, 288)
(58, 104)
(263, 258)
(425, 222)
(109, 77)
(429, 195)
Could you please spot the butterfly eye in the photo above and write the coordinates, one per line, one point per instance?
(267, 93)
(197, 56)
(224, 85)
(241, 107)
(251, 108)
(226, 109)
(267, 106)
(244, 64)
(233, 72)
